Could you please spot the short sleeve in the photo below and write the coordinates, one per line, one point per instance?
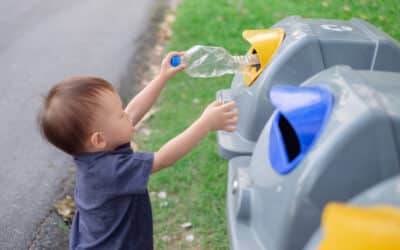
(130, 172)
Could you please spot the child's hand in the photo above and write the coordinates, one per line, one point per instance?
(167, 70)
(220, 116)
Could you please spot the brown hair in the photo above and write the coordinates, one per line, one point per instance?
(68, 112)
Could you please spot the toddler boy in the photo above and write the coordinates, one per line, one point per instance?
(84, 117)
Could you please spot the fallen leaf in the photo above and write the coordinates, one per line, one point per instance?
(66, 208)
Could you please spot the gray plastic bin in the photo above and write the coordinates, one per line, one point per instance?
(309, 46)
(385, 193)
(330, 139)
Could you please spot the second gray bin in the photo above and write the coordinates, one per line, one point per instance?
(309, 46)
(275, 197)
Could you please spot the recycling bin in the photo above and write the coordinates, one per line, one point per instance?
(386, 193)
(329, 139)
(293, 50)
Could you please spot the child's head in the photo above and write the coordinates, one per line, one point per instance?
(84, 114)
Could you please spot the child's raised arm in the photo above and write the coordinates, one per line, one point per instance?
(216, 116)
(145, 99)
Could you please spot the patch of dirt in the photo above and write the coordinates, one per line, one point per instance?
(147, 58)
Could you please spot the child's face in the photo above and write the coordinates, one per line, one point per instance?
(113, 123)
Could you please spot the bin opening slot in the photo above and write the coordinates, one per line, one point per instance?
(302, 113)
(290, 139)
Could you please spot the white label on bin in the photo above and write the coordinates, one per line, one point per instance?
(334, 27)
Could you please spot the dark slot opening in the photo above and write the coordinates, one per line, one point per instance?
(292, 144)
(257, 66)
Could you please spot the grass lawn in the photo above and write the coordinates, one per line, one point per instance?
(196, 185)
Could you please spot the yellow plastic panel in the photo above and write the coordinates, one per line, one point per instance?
(360, 228)
(264, 43)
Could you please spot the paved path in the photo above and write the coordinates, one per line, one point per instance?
(43, 41)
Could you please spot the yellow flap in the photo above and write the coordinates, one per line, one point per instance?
(360, 228)
(264, 43)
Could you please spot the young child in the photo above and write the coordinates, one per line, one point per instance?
(84, 117)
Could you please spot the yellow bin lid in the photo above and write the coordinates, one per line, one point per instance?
(264, 43)
(360, 228)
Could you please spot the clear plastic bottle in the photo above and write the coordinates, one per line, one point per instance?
(207, 61)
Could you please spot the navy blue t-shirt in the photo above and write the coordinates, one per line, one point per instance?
(113, 209)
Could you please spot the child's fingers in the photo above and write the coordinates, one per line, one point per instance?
(232, 121)
(231, 113)
(168, 57)
(215, 103)
(228, 106)
(167, 61)
(230, 128)
(180, 67)
(174, 53)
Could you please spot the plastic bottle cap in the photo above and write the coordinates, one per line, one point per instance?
(175, 61)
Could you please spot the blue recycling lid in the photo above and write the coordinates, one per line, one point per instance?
(175, 61)
(302, 113)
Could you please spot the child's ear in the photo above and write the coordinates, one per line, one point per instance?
(97, 140)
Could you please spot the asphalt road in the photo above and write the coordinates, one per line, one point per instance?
(43, 41)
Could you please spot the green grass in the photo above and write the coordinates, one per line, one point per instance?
(196, 185)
